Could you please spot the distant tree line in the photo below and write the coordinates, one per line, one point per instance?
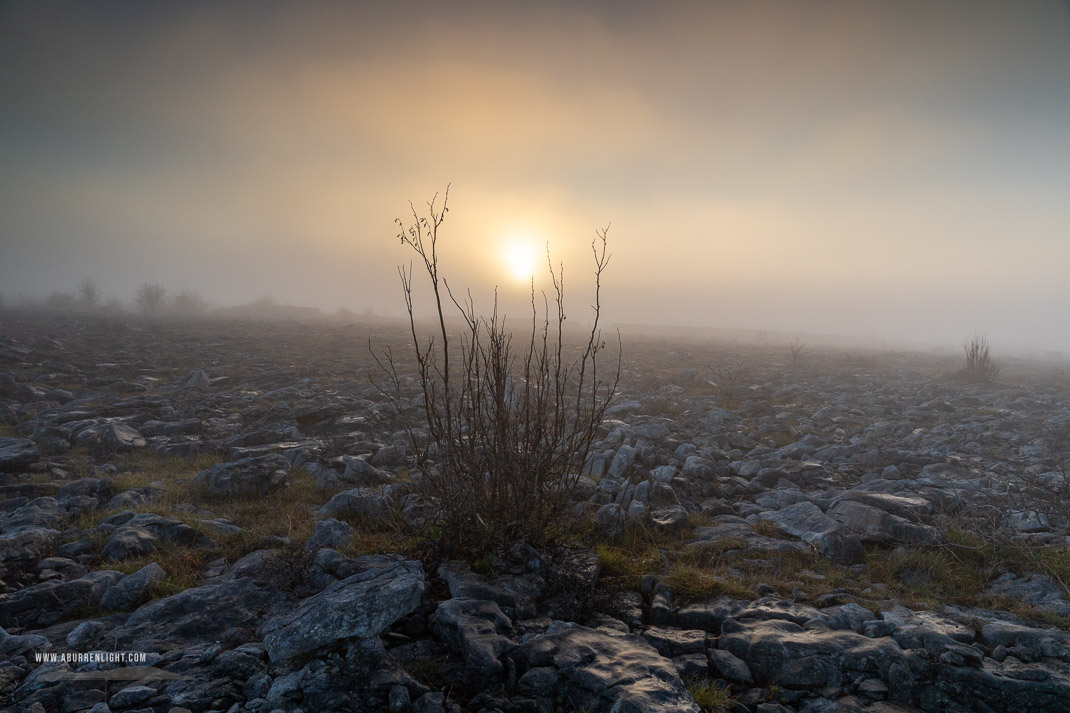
(151, 300)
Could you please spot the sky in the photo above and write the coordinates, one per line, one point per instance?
(894, 168)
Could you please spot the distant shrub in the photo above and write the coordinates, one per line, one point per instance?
(189, 304)
(507, 432)
(113, 306)
(795, 351)
(88, 294)
(150, 298)
(29, 302)
(980, 367)
(60, 301)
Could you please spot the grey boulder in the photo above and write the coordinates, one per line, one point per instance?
(806, 521)
(25, 544)
(129, 590)
(11, 645)
(874, 525)
(362, 503)
(256, 475)
(45, 603)
(118, 437)
(128, 542)
(782, 652)
(600, 671)
(196, 615)
(331, 533)
(360, 606)
(478, 631)
(17, 453)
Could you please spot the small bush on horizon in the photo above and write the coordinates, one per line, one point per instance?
(188, 304)
(980, 367)
(150, 298)
(88, 293)
(795, 351)
(60, 301)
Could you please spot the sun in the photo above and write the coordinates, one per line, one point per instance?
(520, 257)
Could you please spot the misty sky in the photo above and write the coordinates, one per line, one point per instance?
(889, 168)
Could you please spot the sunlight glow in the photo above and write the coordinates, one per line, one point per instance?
(520, 256)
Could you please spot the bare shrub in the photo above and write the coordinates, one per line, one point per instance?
(730, 377)
(1019, 521)
(88, 293)
(507, 430)
(189, 304)
(113, 306)
(287, 568)
(150, 298)
(29, 302)
(795, 351)
(980, 366)
(60, 301)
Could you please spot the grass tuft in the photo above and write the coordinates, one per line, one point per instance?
(709, 696)
(182, 568)
(767, 528)
(692, 584)
(626, 567)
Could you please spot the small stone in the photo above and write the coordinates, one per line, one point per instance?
(85, 634)
(131, 695)
(399, 699)
(257, 686)
(17, 453)
(873, 688)
(332, 533)
(131, 589)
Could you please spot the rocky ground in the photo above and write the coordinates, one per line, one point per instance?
(758, 531)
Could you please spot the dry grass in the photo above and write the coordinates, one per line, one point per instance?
(767, 528)
(694, 584)
(390, 536)
(920, 577)
(289, 512)
(709, 696)
(623, 568)
(698, 519)
(956, 573)
(76, 462)
(182, 567)
(959, 572)
(923, 577)
(428, 670)
(144, 467)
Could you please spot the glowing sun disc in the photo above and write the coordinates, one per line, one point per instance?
(520, 257)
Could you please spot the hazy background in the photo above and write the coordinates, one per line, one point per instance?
(891, 168)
